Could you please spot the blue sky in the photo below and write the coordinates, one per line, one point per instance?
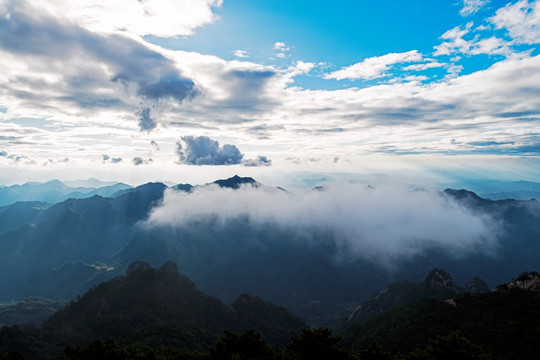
(286, 91)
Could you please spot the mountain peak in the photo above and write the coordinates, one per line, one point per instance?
(525, 281)
(236, 181)
(439, 278)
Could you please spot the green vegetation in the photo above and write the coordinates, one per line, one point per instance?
(158, 314)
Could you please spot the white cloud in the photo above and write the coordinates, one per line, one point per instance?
(282, 48)
(470, 7)
(421, 67)
(374, 67)
(241, 53)
(385, 224)
(455, 43)
(165, 18)
(521, 19)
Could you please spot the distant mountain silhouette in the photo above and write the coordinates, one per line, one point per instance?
(236, 181)
(55, 191)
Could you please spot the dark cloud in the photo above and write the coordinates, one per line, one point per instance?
(140, 161)
(113, 160)
(174, 87)
(155, 145)
(247, 88)
(146, 122)
(201, 150)
(259, 161)
(92, 57)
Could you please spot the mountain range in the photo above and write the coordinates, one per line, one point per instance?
(160, 314)
(58, 251)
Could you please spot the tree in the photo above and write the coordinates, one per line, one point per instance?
(245, 346)
(316, 344)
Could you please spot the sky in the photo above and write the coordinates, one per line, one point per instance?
(288, 92)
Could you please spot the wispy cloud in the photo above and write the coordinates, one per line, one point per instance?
(454, 42)
(471, 7)
(374, 67)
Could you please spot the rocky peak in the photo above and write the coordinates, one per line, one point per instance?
(526, 281)
(439, 278)
(476, 286)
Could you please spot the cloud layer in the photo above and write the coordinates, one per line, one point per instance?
(385, 224)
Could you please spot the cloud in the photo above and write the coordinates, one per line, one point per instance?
(107, 159)
(454, 43)
(201, 150)
(374, 67)
(258, 161)
(59, 68)
(521, 19)
(384, 224)
(421, 67)
(146, 122)
(164, 18)
(471, 7)
(140, 161)
(241, 53)
(155, 145)
(282, 49)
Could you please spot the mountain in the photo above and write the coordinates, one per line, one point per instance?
(236, 181)
(438, 284)
(501, 190)
(55, 191)
(59, 251)
(158, 306)
(28, 310)
(501, 324)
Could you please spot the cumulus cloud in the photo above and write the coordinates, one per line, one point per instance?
(258, 161)
(455, 43)
(282, 49)
(107, 159)
(374, 67)
(55, 66)
(164, 18)
(201, 150)
(471, 7)
(146, 122)
(521, 19)
(383, 224)
(241, 53)
(140, 161)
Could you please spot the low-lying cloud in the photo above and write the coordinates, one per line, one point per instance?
(385, 224)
